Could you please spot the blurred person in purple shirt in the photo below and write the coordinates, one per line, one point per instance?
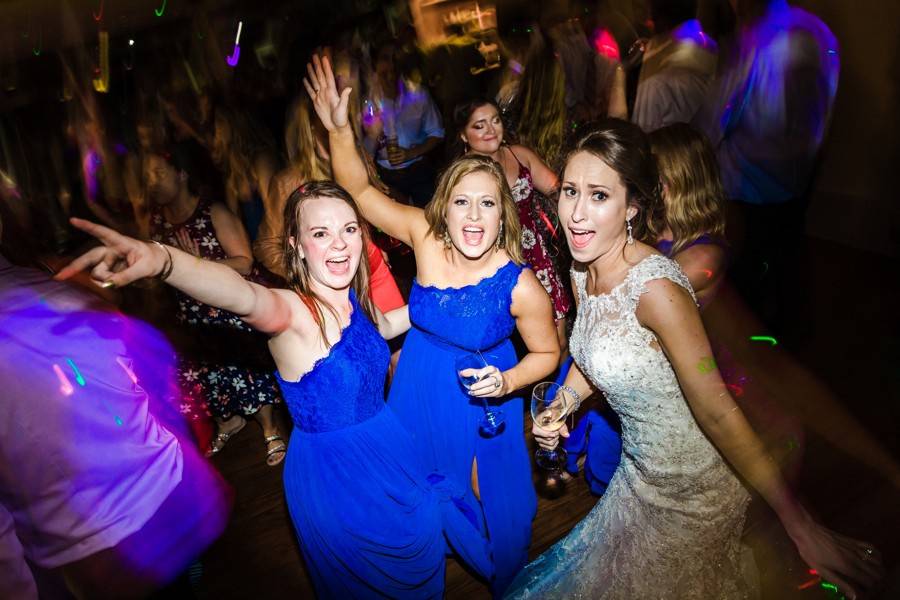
(101, 491)
(767, 115)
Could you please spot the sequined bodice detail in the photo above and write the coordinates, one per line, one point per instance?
(618, 355)
(345, 387)
(474, 317)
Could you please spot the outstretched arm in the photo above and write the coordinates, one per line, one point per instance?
(668, 311)
(394, 322)
(122, 260)
(406, 223)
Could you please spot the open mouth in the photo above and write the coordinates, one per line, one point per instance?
(339, 265)
(472, 235)
(581, 237)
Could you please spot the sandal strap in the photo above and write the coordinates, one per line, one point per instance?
(281, 448)
(273, 438)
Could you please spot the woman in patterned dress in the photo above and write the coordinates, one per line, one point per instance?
(229, 392)
(481, 130)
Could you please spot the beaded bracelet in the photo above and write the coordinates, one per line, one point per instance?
(167, 268)
(575, 395)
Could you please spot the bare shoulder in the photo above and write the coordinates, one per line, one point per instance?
(529, 295)
(302, 321)
(702, 256)
(221, 215)
(525, 155)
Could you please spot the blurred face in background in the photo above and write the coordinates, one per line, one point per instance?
(384, 65)
(484, 131)
(163, 180)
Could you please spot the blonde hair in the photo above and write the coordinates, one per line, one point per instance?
(296, 273)
(539, 106)
(300, 142)
(694, 198)
(436, 211)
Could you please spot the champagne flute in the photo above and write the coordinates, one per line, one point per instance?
(550, 405)
(492, 422)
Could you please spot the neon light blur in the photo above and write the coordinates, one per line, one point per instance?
(605, 44)
(764, 338)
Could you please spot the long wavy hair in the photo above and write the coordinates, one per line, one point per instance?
(625, 149)
(539, 106)
(296, 272)
(694, 197)
(436, 211)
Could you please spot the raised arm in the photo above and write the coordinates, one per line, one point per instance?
(122, 260)
(406, 223)
(668, 310)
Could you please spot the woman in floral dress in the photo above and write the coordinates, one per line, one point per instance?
(481, 131)
(218, 384)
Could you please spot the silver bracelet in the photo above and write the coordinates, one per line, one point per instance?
(575, 395)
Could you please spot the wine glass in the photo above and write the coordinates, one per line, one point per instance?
(492, 422)
(550, 405)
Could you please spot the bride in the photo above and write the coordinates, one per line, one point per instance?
(671, 520)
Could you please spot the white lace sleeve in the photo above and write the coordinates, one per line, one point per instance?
(658, 267)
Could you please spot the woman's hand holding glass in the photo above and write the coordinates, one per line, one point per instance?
(550, 405)
(488, 382)
(548, 439)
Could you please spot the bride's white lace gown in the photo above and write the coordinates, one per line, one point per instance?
(669, 525)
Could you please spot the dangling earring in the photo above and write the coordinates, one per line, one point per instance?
(501, 242)
(447, 241)
(630, 240)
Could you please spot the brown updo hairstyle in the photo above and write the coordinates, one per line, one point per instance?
(296, 272)
(625, 149)
(436, 211)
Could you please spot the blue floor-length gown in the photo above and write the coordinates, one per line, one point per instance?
(442, 419)
(370, 519)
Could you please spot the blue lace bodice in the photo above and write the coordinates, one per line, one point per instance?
(345, 387)
(473, 317)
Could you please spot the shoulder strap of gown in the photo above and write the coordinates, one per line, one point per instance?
(653, 267)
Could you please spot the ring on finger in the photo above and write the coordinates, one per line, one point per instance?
(869, 552)
(497, 382)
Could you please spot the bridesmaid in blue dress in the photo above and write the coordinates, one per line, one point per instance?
(471, 291)
(371, 520)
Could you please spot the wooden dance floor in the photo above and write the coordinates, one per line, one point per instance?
(847, 330)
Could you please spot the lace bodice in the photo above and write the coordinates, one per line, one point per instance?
(346, 386)
(674, 508)
(473, 317)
